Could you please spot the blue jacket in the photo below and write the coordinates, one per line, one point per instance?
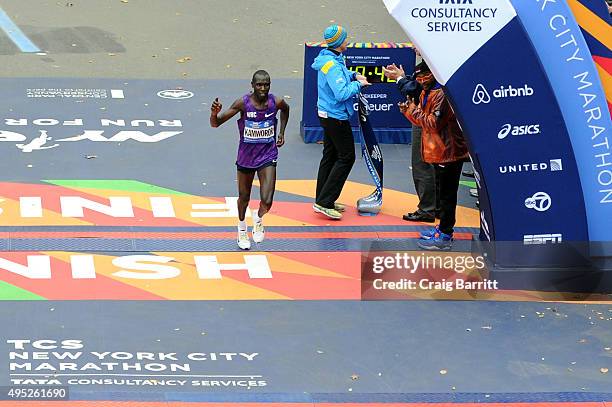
(409, 87)
(336, 86)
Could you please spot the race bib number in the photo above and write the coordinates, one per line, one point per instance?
(258, 132)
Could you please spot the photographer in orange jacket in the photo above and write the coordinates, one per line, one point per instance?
(444, 146)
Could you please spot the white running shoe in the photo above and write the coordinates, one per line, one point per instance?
(243, 240)
(258, 232)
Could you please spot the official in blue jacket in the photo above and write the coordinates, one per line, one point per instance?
(337, 87)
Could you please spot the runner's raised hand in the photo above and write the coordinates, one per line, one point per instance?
(216, 106)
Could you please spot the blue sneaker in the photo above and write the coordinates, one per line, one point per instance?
(428, 234)
(440, 241)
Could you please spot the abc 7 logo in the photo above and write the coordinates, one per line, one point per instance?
(540, 201)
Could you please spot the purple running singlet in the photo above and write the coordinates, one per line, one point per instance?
(257, 134)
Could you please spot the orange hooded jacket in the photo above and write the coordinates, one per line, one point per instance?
(443, 140)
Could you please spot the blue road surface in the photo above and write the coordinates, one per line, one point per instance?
(331, 347)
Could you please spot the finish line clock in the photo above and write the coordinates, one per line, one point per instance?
(368, 59)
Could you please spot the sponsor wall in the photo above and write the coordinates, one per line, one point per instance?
(116, 113)
(540, 182)
(568, 64)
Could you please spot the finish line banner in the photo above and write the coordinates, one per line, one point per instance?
(568, 64)
(527, 172)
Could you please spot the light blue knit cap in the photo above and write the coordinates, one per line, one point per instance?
(334, 35)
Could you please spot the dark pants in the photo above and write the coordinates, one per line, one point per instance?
(424, 177)
(337, 161)
(448, 174)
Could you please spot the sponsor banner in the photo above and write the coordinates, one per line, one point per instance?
(65, 113)
(77, 364)
(569, 66)
(523, 146)
(507, 109)
(448, 33)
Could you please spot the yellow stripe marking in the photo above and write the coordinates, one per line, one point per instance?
(327, 67)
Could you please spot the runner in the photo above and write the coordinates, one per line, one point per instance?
(257, 149)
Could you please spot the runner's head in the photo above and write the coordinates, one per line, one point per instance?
(261, 84)
(336, 37)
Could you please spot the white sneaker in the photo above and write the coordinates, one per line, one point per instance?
(243, 240)
(258, 232)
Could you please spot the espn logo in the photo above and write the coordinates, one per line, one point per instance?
(542, 239)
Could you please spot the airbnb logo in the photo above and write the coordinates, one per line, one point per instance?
(482, 95)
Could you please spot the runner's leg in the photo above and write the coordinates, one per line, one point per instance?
(267, 181)
(245, 182)
(267, 184)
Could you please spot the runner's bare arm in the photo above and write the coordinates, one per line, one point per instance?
(284, 118)
(217, 119)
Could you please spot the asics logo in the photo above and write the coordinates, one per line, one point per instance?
(508, 129)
